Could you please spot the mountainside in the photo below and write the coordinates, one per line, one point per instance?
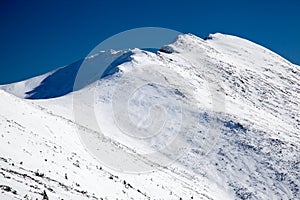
(206, 119)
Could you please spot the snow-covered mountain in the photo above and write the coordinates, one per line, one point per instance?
(232, 121)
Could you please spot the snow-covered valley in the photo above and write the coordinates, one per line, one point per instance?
(231, 112)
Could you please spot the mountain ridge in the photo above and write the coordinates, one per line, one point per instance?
(26, 88)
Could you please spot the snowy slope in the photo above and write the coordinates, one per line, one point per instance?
(41, 151)
(240, 108)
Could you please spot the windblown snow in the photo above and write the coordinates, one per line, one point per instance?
(239, 110)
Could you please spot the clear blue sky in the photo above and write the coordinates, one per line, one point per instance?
(38, 36)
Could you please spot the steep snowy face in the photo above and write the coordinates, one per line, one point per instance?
(262, 80)
(223, 110)
(260, 140)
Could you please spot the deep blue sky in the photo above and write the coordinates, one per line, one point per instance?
(38, 36)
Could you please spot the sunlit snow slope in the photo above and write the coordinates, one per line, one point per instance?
(239, 104)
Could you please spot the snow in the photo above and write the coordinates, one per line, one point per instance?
(229, 114)
(36, 140)
(19, 89)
